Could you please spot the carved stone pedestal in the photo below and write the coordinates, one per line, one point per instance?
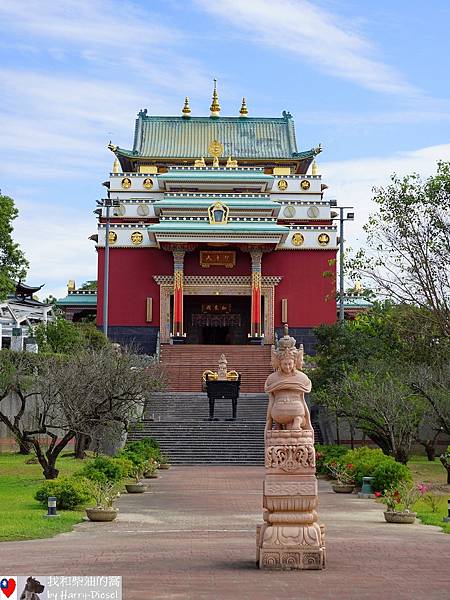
(290, 537)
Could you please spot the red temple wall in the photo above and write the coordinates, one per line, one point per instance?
(131, 282)
(310, 295)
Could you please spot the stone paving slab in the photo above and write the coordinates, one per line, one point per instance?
(193, 537)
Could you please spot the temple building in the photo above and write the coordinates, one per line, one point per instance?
(220, 233)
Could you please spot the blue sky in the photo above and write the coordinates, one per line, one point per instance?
(367, 80)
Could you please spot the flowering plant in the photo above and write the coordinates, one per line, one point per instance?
(343, 473)
(427, 496)
(399, 498)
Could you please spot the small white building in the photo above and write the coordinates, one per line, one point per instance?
(19, 313)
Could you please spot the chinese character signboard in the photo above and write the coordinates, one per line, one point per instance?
(220, 258)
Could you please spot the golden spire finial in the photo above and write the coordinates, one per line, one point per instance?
(186, 108)
(116, 166)
(244, 110)
(215, 106)
(314, 168)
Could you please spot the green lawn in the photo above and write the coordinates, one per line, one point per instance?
(21, 514)
(428, 517)
(434, 475)
(427, 472)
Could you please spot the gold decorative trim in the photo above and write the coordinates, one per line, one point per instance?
(245, 280)
(126, 183)
(282, 185)
(147, 183)
(305, 184)
(323, 239)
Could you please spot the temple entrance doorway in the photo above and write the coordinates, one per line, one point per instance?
(223, 320)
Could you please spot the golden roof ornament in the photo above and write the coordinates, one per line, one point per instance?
(215, 106)
(186, 108)
(200, 162)
(314, 169)
(244, 110)
(116, 166)
(71, 285)
(231, 163)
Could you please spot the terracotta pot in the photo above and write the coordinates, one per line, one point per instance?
(164, 466)
(393, 516)
(341, 488)
(101, 514)
(136, 488)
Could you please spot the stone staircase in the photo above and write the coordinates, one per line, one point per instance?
(178, 421)
(184, 365)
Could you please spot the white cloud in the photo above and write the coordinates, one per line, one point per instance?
(55, 241)
(299, 27)
(351, 181)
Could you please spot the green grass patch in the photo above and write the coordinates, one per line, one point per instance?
(425, 514)
(427, 471)
(22, 515)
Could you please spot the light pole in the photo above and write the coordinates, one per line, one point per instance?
(348, 217)
(106, 203)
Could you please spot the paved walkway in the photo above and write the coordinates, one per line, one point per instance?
(193, 537)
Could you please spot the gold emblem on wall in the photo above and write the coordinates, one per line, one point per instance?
(324, 239)
(147, 183)
(215, 149)
(298, 239)
(137, 238)
(305, 184)
(282, 185)
(126, 183)
(112, 237)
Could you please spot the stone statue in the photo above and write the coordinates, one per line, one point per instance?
(287, 387)
(290, 537)
(222, 371)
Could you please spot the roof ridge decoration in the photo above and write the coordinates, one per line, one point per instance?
(215, 106)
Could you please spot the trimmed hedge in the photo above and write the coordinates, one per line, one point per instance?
(69, 492)
(105, 468)
(367, 462)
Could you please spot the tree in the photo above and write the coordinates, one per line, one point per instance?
(89, 285)
(84, 394)
(409, 241)
(13, 264)
(64, 337)
(379, 402)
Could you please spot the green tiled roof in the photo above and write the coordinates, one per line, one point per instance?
(252, 175)
(176, 226)
(78, 300)
(242, 138)
(237, 202)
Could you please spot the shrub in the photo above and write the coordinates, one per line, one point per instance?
(385, 470)
(389, 473)
(126, 465)
(326, 454)
(147, 448)
(104, 468)
(69, 492)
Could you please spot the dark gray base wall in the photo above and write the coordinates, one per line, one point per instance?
(303, 335)
(144, 338)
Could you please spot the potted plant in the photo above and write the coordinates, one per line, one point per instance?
(164, 461)
(151, 467)
(137, 487)
(344, 476)
(399, 500)
(104, 493)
